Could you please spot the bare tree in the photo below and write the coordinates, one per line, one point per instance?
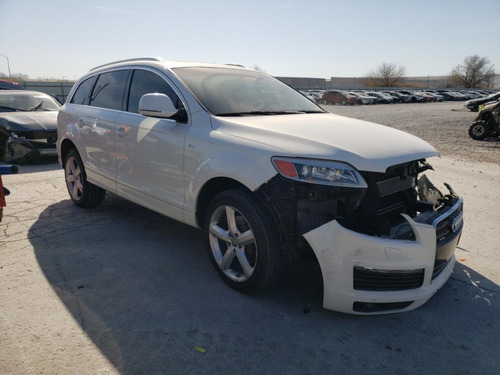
(21, 76)
(386, 75)
(475, 72)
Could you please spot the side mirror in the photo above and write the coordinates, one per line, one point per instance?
(160, 105)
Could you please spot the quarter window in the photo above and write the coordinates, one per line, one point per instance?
(109, 90)
(82, 94)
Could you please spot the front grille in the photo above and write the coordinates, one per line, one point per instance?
(448, 230)
(381, 280)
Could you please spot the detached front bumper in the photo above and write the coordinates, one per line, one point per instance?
(364, 274)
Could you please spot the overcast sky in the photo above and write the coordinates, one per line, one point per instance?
(310, 38)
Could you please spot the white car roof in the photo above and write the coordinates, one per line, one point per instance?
(169, 64)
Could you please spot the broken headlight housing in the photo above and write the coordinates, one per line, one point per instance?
(317, 171)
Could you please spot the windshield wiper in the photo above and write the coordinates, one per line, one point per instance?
(264, 113)
(37, 107)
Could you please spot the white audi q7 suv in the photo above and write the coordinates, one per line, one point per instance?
(269, 176)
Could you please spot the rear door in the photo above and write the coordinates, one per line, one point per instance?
(97, 127)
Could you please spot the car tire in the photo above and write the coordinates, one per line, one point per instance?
(324, 101)
(479, 130)
(242, 241)
(82, 193)
(343, 102)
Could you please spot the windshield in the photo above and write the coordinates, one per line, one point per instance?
(27, 102)
(233, 92)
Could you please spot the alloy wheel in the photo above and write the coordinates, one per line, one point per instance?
(232, 243)
(74, 178)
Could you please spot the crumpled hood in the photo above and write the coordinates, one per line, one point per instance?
(29, 121)
(364, 145)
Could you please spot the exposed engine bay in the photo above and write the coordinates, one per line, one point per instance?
(376, 210)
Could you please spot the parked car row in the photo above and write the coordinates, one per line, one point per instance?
(345, 97)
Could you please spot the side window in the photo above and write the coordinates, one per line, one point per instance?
(109, 90)
(146, 82)
(82, 93)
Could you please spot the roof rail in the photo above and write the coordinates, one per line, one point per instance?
(129, 60)
(238, 65)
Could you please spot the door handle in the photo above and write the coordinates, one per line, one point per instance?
(121, 133)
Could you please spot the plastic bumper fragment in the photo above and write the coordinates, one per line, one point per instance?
(341, 251)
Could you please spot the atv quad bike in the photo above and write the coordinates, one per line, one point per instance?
(487, 122)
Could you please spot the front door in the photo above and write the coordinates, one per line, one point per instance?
(150, 151)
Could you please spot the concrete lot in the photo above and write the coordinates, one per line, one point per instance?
(120, 289)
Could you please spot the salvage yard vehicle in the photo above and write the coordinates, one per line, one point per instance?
(361, 98)
(413, 97)
(28, 125)
(269, 176)
(487, 122)
(10, 85)
(474, 104)
(337, 97)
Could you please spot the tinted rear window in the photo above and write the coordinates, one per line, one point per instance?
(82, 94)
(109, 90)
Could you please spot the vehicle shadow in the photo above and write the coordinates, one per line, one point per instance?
(492, 140)
(141, 286)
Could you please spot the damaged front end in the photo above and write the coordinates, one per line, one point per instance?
(385, 243)
(26, 142)
(19, 148)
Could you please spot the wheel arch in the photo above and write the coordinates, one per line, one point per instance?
(209, 190)
(66, 145)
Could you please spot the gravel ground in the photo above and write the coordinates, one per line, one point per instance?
(444, 125)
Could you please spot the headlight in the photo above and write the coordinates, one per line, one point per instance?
(321, 172)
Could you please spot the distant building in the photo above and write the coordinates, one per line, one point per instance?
(305, 83)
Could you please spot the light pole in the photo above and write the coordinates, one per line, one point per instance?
(8, 64)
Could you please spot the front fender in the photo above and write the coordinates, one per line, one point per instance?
(247, 163)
